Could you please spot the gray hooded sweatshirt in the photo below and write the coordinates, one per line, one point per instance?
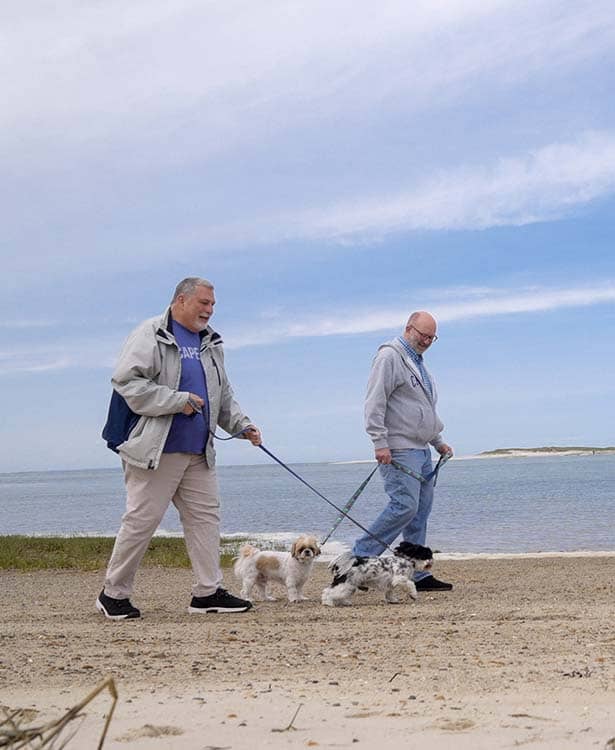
(399, 412)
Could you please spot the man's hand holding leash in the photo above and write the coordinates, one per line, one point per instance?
(383, 455)
(253, 434)
(194, 405)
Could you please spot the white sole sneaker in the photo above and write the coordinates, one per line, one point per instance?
(133, 615)
(215, 610)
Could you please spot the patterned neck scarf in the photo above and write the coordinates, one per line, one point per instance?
(418, 361)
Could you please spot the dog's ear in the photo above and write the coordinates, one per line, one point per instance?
(293, 549)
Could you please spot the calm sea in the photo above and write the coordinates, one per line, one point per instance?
(491, 505)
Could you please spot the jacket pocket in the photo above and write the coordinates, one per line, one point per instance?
(415, 416)
(146, 439)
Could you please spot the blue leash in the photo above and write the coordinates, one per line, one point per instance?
(343, 513)
(198, 410)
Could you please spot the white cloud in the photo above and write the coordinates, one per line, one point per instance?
(76, 354)
(473, 303)
(544, 184)
(533, 300)
(462, 303)
(27, 323)
(228, 72)
(130, 128)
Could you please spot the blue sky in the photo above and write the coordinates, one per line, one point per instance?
(330, 166)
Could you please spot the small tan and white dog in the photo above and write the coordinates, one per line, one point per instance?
(258, 568)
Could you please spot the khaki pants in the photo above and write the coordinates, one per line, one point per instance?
(184, 479)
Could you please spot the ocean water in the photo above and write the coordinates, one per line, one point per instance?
(507, 505)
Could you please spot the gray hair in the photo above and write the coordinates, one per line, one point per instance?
(188, 286)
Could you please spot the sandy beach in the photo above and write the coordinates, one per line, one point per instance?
(521, 653)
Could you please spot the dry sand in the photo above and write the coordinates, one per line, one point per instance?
(521, 653)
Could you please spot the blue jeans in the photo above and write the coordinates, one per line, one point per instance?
(408, 509)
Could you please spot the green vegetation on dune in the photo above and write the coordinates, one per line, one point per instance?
(92, 553)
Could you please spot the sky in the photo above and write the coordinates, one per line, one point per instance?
(330, 167)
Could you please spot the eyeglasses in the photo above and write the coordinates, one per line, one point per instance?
(426, 336)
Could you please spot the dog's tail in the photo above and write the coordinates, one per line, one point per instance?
(245, 552)
(342, 564)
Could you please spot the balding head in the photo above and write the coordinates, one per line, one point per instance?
(420, 331)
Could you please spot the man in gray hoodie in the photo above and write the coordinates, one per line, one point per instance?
(401, 419)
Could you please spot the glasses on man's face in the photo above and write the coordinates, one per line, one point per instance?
(425, 336)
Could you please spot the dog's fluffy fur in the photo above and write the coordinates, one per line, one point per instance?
(257, 569)
(384, 573)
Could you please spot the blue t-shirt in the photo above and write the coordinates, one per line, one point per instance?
(188, 434)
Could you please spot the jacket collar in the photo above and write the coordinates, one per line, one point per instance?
(165, 332)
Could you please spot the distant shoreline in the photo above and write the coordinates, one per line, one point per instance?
(547, 451)
(515, 453)
(497, 453)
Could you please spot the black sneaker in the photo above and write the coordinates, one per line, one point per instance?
(116, 609)
(429, 583)
(221, 601)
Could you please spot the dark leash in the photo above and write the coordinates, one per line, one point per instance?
(423, 478)
(349, 504)
(433, 474)
(343, 512)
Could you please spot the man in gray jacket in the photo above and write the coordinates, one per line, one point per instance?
(170, 393)
(401, 419)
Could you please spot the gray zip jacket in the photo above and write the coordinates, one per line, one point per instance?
(399, 413)
(147, 376)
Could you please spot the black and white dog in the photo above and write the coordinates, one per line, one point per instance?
(384, 573)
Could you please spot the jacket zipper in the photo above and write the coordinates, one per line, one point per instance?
(217, 370)
(152, 462)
